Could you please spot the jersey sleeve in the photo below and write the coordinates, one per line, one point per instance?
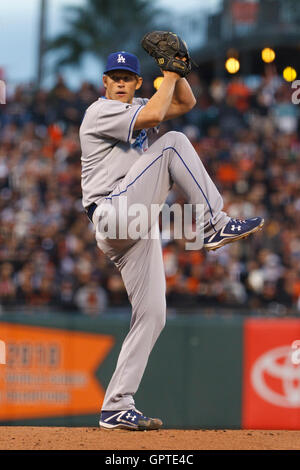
(144, 101)
(116, 119)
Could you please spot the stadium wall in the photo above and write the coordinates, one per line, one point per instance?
(206, 371)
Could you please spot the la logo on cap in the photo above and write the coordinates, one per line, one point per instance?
(121, 58)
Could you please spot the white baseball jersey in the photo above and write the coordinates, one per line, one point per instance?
(109, 145)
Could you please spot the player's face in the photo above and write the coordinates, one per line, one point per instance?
(121, 85)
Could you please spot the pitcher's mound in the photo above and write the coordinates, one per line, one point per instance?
(56, 438)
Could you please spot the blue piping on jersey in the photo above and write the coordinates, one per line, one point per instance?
(133, 120)
(104, 98)
(157, 158)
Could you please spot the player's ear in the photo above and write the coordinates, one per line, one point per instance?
(139, 82)
(104, 79)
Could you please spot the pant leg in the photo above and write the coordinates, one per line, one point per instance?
(172, 158)
(143, 274)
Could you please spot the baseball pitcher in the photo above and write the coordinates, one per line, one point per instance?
(118, 166)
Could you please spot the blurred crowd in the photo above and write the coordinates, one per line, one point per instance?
(247, 134)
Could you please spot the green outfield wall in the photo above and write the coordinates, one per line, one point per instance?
(205, 372)
(193, 378)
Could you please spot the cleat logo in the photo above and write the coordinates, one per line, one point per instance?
(129, 416)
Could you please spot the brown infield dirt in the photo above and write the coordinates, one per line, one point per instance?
(62, 438)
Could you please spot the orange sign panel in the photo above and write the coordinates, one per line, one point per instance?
(50, 372)
(271, 386)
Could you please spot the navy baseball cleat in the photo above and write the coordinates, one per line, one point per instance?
(132, 420)
(234, 230)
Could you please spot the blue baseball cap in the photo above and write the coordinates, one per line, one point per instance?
(123, 61)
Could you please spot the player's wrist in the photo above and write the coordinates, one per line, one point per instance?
(171, 75)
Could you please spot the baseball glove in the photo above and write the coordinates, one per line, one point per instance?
(168, 50)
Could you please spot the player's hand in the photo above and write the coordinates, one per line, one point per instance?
(174, 74)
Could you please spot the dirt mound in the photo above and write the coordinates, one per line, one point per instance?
(56, 438)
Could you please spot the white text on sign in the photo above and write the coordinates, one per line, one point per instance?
(2, 352)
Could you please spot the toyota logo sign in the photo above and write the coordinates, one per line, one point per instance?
(276, 379)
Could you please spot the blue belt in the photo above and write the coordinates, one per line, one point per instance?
(90, 211)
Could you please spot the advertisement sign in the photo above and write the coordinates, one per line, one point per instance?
(49, 372)
(271, 383)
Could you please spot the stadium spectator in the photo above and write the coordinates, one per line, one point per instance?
(247, 138)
